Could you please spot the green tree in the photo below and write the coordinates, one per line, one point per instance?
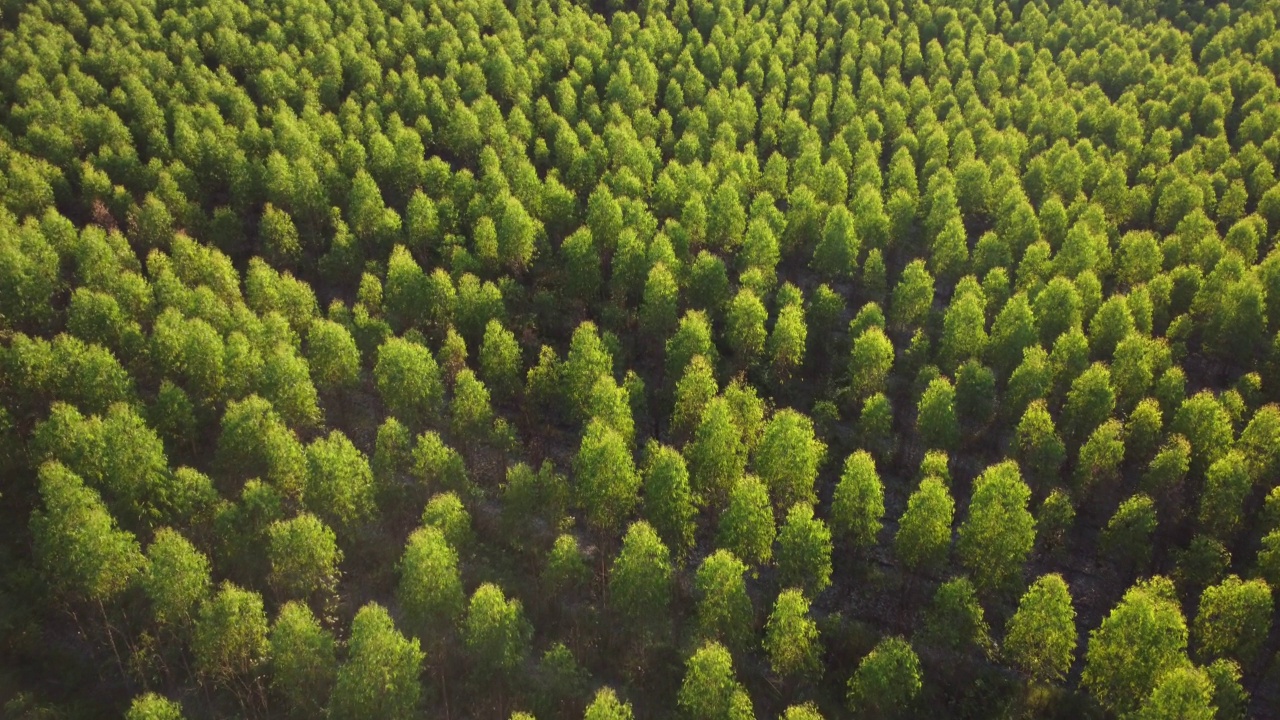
(496, 632)
(725, 613)
(788, 458)
(230, 642)
(380, 677)
(1127, 536)
(608, 484)
(1039, 449)
(1203, 421)
(787, 340)
(77, 544)
(791, 637)
(1143, 637)
(923, 539)
(870, 362)
(408, 380)
(744, 326)
(339, 485)
(176, 578)
(954, 619)
(1089, 403)
(936, 416)
(857, 505)
(1183, 692)
(710, 690)
(446, 512)
(804, 550)
(912, 297)
(303, 663)
(887, 681)
(588, 359)
(660, 304)
(607, 706)
(696, 388)
(1040, 638)
(1234, 620)
(836, 255)
(430, 589)
(668, 498)
(500, 360)
(153, 707)
(304, 558)
(333, 356)
(746, 526)
(999, 533)
(1222, 501)
(640, 582)
(716, 456)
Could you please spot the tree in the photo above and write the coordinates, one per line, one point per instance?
(303, 663)
(668, 499)
(696, 388)
(912, 297)
(710, 690)
(496, 632)
(608, 484)
(333, 356)
(340, 485)
(1234, 620)
(924, 530)
(744, 326)
(887, 680)
(660, 304)
(791, 637)
(230, 642)
(437, 464)
(716, 456)
(1142, 638)
(1040, 638)
(788, 458)
(304, 558)
(1089, 402)
(1183, 692)
(77, 544)
(1098, 462)
(446, 512)
(999, 533)
(430, 589)
(836, 255)
(725, 613)
(1127, 536)
(472, 421)
(151, 706)
(408, 380)
(857, 505)
(1227, 485)
(1206, 425)
(870, 362)
(936, 416)
(692, 337)
(500, 359)
(954, 619)
(964, 334)
(176, 578)
(640, 582)
(1039, 449)
(1012, 332)
(607, 706)
(804, 551)
(588, 359)
(787, 340)
(746, 526)
(380, 677)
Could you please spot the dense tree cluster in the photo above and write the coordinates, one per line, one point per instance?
(676, 358)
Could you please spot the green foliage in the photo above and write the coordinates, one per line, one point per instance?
(668, 499)
(1143, 637)
(380, 677)
(408, 380)
(923, 540)
(1234, 619)
(954, 619)
(495, 631)
(887, 681)
(430, 589)
(608, 484)
(640, 581)
(1040, 638)
(304, 558)
(710, 690)
(788, 457)
(791, 637)
(230, 642)
(746, 525)
(804, 551)
(303, 662)
(725, 613)
(153, 707)
(996, 538)
(857, 506)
